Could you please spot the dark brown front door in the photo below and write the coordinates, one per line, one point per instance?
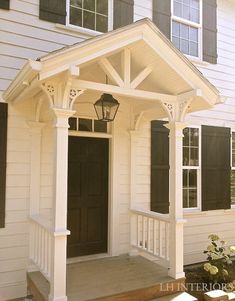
(87, 196)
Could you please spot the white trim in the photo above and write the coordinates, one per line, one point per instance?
(192, 24)
(90, 134)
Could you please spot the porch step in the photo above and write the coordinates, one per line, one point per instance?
(120, 278)
(177, 297)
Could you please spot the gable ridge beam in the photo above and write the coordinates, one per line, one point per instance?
(141, 77)
(110, 71)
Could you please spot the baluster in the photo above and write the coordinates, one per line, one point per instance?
(43, 249)
(138, 231)
(160, 239)
(40, 246)
(149, 234)
(155, 237)
(36, 243)
(143, 232)
(167, 240)
(49, 254)
(45, 252)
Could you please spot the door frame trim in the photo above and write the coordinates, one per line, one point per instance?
(111, 226)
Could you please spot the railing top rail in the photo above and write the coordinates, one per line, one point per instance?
(151, 214)
(43, 222)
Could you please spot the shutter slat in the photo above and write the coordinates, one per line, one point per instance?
(123, 13)
(5, 4)
(209, 10)
(162, 16)
(159, 167)
(216, 168)
(53, 11)
(3, 152)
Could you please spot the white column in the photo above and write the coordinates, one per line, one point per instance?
(176, 251)
(59, 210)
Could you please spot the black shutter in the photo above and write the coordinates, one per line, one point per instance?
(5, 4)
(216, 168)
(159, 167)
(3, 151)
(162, 16)
(53, 11)
(123, 12)
(209, 11)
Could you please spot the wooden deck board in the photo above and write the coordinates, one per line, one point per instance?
(96, 279)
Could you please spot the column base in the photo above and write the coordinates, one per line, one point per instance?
(63, 298)
(176, 275)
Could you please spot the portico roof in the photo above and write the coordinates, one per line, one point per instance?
(138, 59)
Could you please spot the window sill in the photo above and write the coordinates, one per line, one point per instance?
(189, 212)
(88, 33)
(197, 61)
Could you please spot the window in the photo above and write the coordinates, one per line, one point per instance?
(233, 170)
(90, 14)
(191, 167)
(187, 26)
(87, 125)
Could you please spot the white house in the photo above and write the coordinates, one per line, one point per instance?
(158, 179)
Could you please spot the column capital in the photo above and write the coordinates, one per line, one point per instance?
(175, 125)
(63, 113)
(62, 116)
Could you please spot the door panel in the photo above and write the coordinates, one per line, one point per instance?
(87, 196)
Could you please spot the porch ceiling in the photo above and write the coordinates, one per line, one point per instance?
(139, 61)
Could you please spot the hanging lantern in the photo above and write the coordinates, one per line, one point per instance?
(106, 107)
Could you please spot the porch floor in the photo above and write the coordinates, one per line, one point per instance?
(109, 279)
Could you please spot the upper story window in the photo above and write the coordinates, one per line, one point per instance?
(90, 14)
(191, 167)
(187, 26)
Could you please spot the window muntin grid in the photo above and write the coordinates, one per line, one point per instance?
(186, 26)
(90, 14)
(191, 166)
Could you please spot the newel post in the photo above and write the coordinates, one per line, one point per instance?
(59, 209)
(176, 250)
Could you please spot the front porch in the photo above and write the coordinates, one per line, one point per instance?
(111, 279)
(165, 85)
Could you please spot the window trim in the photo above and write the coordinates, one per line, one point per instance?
(88, 31)
(192, 24)
(198, 168)
(231, 161)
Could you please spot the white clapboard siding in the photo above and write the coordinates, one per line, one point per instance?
(142, 9)
(200, 226)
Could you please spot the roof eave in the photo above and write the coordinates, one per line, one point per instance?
(24, 77)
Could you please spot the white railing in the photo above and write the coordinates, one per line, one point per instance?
(150, 233)
(41, 236)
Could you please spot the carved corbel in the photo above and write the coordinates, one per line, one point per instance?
(49, 88)
(184, 107)
(170, 109)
